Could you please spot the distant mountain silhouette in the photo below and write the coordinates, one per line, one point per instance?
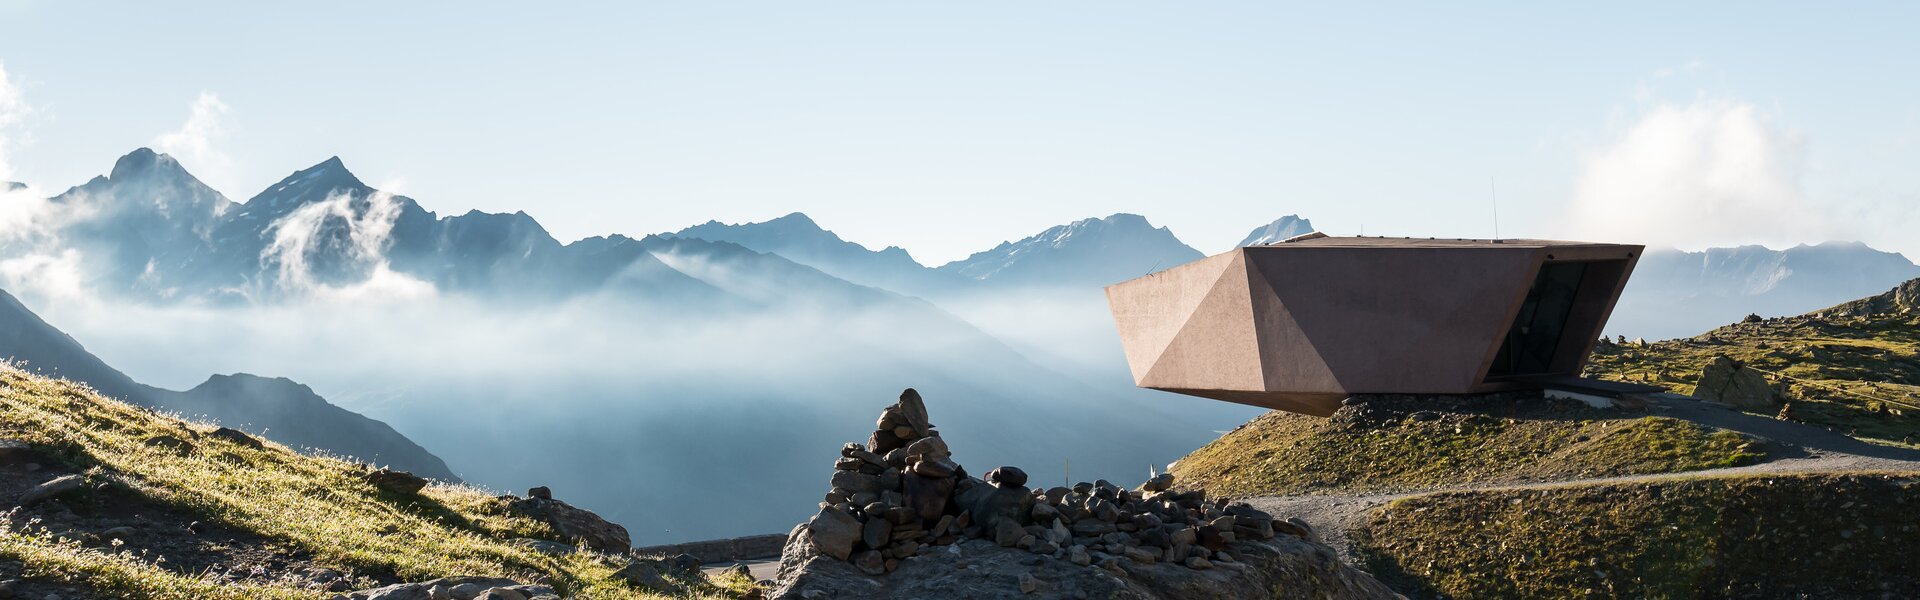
(1084, 253)
(799, 239)
(278, 409)
(1277, 231)
(1677, 294)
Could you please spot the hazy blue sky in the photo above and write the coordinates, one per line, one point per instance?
(947, 127)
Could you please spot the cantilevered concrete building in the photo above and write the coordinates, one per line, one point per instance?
(1303, 324)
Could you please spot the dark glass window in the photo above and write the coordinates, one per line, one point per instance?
(1529, 346)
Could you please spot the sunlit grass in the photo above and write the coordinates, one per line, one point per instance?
(318, 505)
(1860, 376)
(1284, 454)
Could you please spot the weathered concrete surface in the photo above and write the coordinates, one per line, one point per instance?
(1299, 326)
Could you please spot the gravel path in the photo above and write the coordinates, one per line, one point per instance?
(1795, 448)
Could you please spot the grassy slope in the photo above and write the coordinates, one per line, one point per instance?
(1282, 453)
(316, 506)
(1834, 368)
(1824, 536)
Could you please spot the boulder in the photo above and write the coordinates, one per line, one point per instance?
(1726, 380)
(915, 411)
(236, 436)
(570, 524)
(876, 532)
(398, 482)
(834, 532)
(173, 445)
(1007, 476)
(63, 484)
(1158, 483)
(1011, 504)
(927, 496)
(661, 576)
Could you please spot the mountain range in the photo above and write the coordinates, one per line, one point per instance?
(736, 343)
(1677, 294)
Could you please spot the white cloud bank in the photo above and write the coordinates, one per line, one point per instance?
(1712, 172)
(194, 144)
(13, 110)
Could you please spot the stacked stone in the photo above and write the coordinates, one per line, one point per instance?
(902, 494)
(892, 496)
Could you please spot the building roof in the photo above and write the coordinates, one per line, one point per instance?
(1408, 242)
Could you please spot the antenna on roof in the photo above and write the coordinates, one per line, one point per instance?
(1493, 193)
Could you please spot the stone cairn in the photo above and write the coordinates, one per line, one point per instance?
(902, 494)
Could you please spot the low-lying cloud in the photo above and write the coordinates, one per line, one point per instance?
(315, 230)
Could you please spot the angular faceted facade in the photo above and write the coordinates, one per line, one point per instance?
(1301, 325)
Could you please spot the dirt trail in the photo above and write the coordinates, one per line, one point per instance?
(1794, 447)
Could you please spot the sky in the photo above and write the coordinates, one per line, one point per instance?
(945, 128)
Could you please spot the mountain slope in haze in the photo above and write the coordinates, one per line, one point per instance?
(1085, 253)
(282, 410)
(799, 239)
(1277, 231)
(1677, 294)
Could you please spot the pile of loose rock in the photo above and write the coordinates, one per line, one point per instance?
(902, 494)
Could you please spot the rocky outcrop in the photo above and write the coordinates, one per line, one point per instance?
(904, 520)
(457, 588)
(570, 523)
(1903, 299)
(1726, 380)
(1284, 567)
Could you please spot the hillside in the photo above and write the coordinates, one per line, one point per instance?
(1772, 536)
(1854, 367)
(173, 509)
(284, 411)
(1382, 444)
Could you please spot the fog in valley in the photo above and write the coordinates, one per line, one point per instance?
(682, 411)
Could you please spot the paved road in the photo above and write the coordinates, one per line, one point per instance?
(764, 568)
(1794, 448)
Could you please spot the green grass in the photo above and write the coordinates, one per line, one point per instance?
(1284, 454)
(1822, 536)
(317, 505)
(1860, 376)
